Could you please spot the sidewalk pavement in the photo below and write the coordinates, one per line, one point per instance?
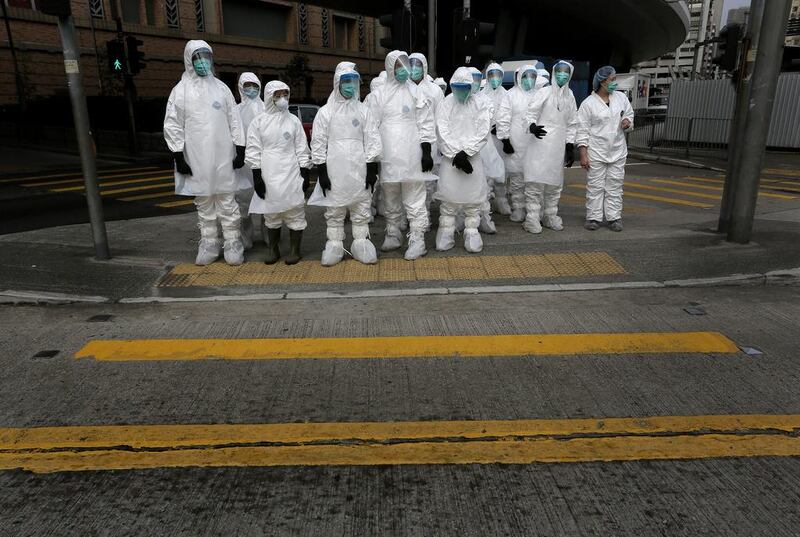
(662, 245)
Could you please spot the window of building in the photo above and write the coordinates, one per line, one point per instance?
(130, 10)
(253, 18)
(96, 9)
(171, 11)
(343, 33)
(150, 12)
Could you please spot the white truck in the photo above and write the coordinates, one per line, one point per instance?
(637, 87)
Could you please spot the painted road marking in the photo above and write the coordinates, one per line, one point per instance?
(125, 447)
(407, 346)
(79, 175)
(179, 203)
(140, 197)
(672, 190)
(114, 183)
(80, 179)
(566, 264)
(672, 201)
(135, 189)
(722, 181)
(761, 191)
(782, 171)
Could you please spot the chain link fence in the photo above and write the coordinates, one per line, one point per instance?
(680, 135)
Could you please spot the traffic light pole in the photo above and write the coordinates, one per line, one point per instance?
(737, 136)
(432, 35)
(130, 96)
(80, 113)
(763, 85)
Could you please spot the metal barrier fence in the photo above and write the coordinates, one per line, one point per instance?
(680, 134)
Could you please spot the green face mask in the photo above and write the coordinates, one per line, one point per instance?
(401, 74)
(462, 95)
(526, 84)
(561, 78)
(202, 66)
(612, 86)
(495, 82)
(348, 90)
(417, 73)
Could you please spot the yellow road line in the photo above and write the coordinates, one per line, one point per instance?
(140, 197)
(407, 347)
(114, 183)
(783, 171)
(761, 192)
(135, 189)
(76, 174)
(179, 203)
(722, 181)
(672, 201)
(671, 190)
(82, 448)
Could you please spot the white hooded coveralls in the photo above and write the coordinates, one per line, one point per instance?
(202, 122)
(345, 138)
(276, 144)
(248, 109)
(553, 108)
(405, 119)
(511, 126)
(600, 130)
(461, 127)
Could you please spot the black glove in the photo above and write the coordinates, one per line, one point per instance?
(494, 130)
(569, 155)
(372, 175)
(537, 131)
(461, 161)
(180, 163)
(304, 173)
(258, 184)
(323, 180)
(238, 162)
(427, 161)
(508, 149)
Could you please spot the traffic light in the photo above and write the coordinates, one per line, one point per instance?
(474, 41)
(115, 50)
(59, 8)
(727, 56)
(135, 56)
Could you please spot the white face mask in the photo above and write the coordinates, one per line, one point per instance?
(282, 103)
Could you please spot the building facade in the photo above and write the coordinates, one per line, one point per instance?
(793, 28)
(292, 41)
(687, 60)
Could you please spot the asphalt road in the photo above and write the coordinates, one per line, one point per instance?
(366, 438)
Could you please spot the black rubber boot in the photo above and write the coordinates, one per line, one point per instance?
(294, 244)
(273, 246)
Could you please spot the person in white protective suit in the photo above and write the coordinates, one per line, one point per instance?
(603, 119)
(203, 132)
(495, 93)
(424, 82)
(249, 107)
(512, 131)
(405, 120)
(462, 123)
(439, 81)
(552, 116)
(277, 152)
(492, 162)
(377, 195)
(346, 148)
(543, 77)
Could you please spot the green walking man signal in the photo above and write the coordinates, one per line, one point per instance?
(115, 49)
(117, 65)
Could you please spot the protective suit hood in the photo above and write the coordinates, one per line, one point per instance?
(518, 74)
(247, 77)
(191, 47)
(269, 90)
(391, 59)
(424, 60)
(341, 69)
(462, 75)
(493, 67)
(561, 92)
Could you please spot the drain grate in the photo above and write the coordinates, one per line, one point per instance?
(46, 354)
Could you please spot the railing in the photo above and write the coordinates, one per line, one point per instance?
(684, 135)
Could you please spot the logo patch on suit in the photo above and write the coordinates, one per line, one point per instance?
(287, 136)
(406, 109)
(216, 105)
(356, 123)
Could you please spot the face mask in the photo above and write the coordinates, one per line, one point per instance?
(461, 95)
(495, 82)
(417, 73)
(526, 84)
(612, 86)
(401, 74)
(562, 78)
(282, 103)
(250, 92)
(348, 91)
(202, 66)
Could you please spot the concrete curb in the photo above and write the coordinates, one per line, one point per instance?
(673, 161)
(777, 277)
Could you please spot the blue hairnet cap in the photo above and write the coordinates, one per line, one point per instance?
(539, 65)
(602, 74)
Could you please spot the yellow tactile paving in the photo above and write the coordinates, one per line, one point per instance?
(310, 272)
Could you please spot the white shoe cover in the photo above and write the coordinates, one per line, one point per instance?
(532, 226)
(473, 243)
(391, 242)
(364, 251)
(517, 215)
(333, 253)
(207, 251)
(553, 222)
(486, 225)
(234, 252)
(416, 247)
(445, 238)
(501, 206)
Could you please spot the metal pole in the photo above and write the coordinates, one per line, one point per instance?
(737, 136)
(21, 100)
(432, 36)
(80, 113)
(762, 96)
